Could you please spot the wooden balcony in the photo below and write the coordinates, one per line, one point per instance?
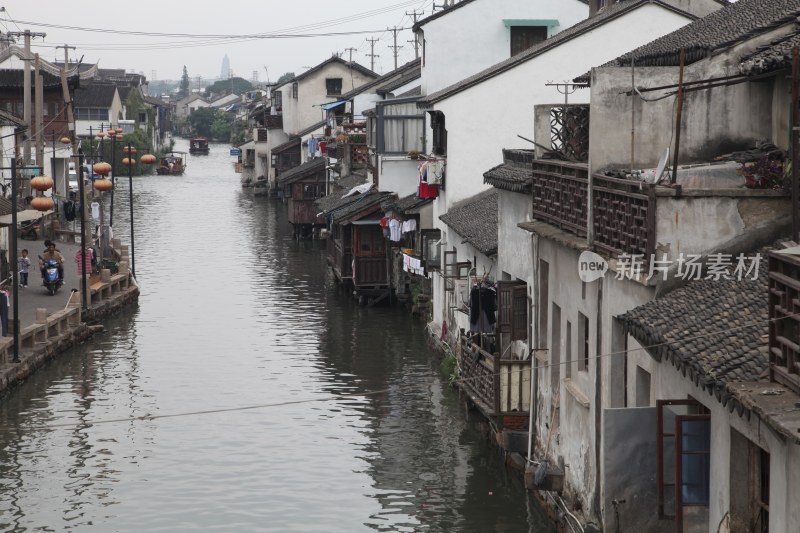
(784, 324)
(498, 387)
(624, 210)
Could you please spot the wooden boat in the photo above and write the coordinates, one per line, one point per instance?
(172, 164)
(198, 145)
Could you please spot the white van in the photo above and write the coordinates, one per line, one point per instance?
(72, 178)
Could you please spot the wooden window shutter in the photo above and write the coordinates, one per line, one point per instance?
(504, 306)
(519, 312)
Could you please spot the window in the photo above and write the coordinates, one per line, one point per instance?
(683, 465)
(523, 37)
(439, 139)
(749, 485)
(642, 387)
(312, 190)
(555, 368)
(583, 342)
(142, 117)
(513, 309)
(401, 128)
(294, 90)
(568, 350)
(91, 113)
(333, 86)
(277, 100)
(431, 249)
(544, 299)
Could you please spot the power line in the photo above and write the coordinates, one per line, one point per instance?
(345, 396)
(395, 47)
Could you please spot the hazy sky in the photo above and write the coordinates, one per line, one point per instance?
(113, 33)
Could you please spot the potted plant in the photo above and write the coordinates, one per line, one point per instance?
(414, 154)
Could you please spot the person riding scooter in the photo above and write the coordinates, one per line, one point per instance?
(52, 254)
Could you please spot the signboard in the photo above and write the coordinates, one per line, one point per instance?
(31, 171)
(236, 151)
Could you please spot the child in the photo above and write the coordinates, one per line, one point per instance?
(24, 263)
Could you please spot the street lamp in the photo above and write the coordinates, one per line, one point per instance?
(130, 161)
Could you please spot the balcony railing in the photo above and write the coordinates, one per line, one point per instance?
(624, 210)
(497, 386)
(784, 324)
(273, 122)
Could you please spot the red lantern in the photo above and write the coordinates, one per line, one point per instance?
(42, 203)
(129, 150)
(119, 137)
(66, 140)
(128, 161)
(103, 184)
(41, 183)
(111, 132)
(102, 168)
(148, 159)
(118, 130)
(100, 135)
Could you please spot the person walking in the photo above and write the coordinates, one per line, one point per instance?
(24, 264)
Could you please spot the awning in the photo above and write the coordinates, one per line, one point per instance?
(326, 107)
(23, 216)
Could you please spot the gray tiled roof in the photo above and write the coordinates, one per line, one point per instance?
(291, 143)
(407, 203)
(312, 128)
(509, 178)
(334, 199)
(14, 78)
(440, 14)
(95, 95)
(776, 56)
(333, 59)
(679, 327)
(364, 203)
(475, 219)
(403, 71)
(733, 23)
(606, 15)
(301, 171)
(416, 91)
(405, 79)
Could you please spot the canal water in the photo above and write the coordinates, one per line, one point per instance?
(246, 393)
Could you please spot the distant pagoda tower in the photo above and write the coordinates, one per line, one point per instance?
(225, 73)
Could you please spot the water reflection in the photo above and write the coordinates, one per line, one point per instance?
(357, 430)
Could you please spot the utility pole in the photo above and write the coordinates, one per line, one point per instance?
(415, 42)
(26, 81)
(39, 118)
(394, 47)
(66, 48)
(351, 50)
(371, 53)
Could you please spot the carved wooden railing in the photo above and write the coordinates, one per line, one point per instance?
(560, 192)
(569, 131)
(624, 210)
(784, 324)
(497, 386)
(624, 216)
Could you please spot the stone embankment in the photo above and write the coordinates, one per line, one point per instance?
(47, 329)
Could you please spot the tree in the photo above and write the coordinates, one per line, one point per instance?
(184, 86)
(286, 77)
(229, 86)
(212, 123)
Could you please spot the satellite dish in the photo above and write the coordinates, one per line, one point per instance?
(662, 165)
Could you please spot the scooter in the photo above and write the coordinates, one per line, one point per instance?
(51, 280)
(28, 230)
